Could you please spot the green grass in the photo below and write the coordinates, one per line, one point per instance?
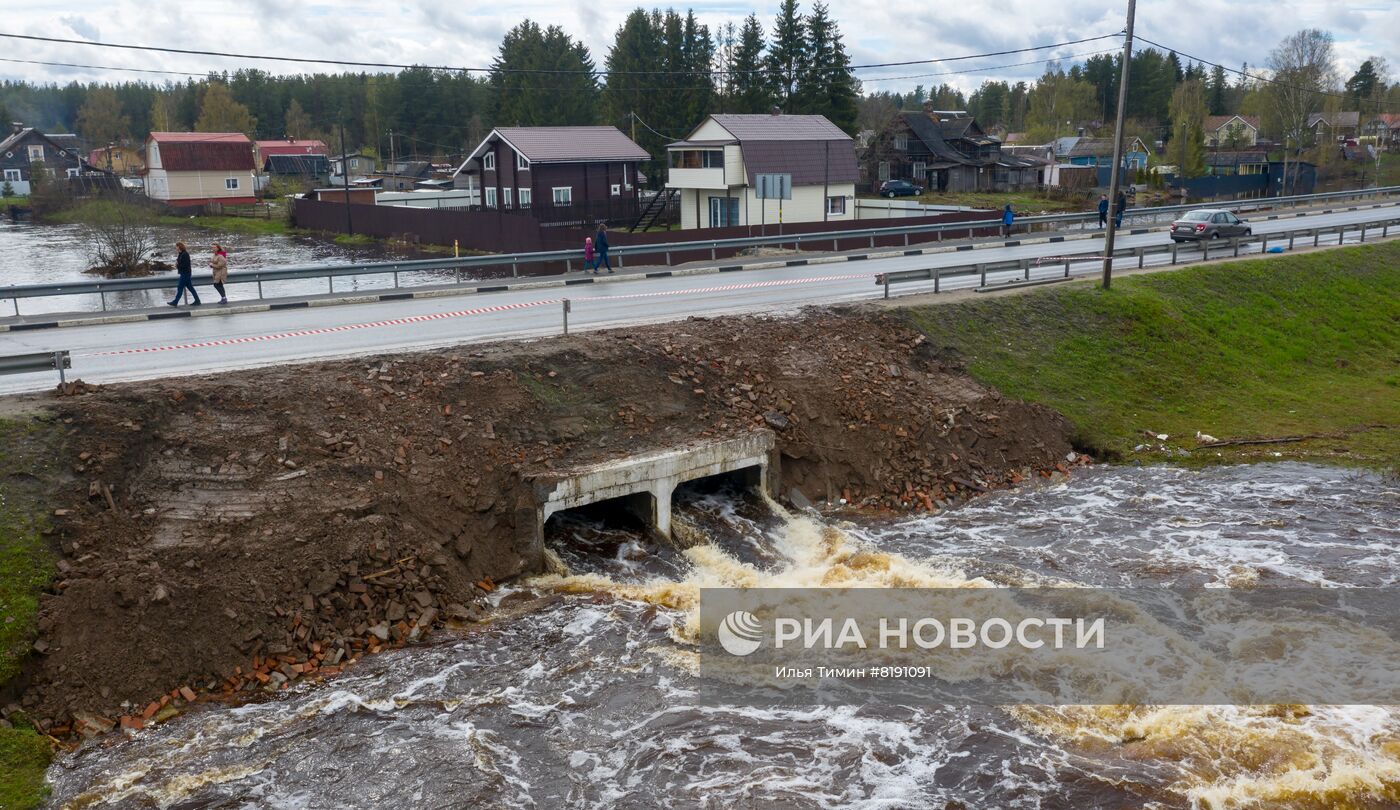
(28, 449)
(253, 225)
(354, 239)
(1287, 345)
(24, 756)
(22, 202)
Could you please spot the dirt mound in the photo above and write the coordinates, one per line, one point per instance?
(234, 533)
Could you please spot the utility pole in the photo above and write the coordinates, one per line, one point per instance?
(1114, 174)
(345, 178)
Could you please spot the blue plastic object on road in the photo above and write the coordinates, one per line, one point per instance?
(1275, 250)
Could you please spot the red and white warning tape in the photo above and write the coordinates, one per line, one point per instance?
(461, 313)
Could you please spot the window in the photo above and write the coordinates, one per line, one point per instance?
(73, 172)
(563, 195)
(901, 142)
(490, 198)
(836, 205)
(920, 169)
(521, 162)
(616, 190)
(724, 212)
(625, 182)
(524, 194)
(506, 197)
(697, 158)
(13, 175)
(884, 170)
(231, 183)
(488, 162)
(36, 153)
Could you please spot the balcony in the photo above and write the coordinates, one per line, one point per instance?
(696, 178)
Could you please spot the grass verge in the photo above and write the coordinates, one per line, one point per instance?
(1279, 346)
(253, 225)
(28, 447)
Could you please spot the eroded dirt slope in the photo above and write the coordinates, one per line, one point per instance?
(233, 533)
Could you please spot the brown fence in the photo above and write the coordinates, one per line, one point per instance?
(518, 232)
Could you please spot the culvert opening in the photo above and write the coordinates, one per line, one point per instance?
(730, 511)
(613, 537)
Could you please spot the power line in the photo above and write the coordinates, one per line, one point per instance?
(309, 60)
(99, 67)
(987, 69)
(1264, 79)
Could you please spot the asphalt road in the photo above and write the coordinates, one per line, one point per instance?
(183, 346)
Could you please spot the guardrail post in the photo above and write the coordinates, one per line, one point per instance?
(1290, 240)
(514, 269)
(1236, 242)
(1066, 267)
(1385, 229)
(58, 364)
(872, 240)
(714, 255)
(1341, 234)
(982, 268)
(16, 303)
(621, 259)
(1363, 232)
(260, 289)
(906, 239)
(1175, 245)
(103, 295)
(566, 317)
(1264, 243)
(668, 258)
(1141, 257)
(1026, 268)
(1317, 236)
(885, 279)
(1205, 250)
(937, 278)
(330, 283)
(396, 279)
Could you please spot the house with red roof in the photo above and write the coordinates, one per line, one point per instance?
(197, 168)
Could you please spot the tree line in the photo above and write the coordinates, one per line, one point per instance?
(662, 74)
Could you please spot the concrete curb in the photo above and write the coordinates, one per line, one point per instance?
(61, 320)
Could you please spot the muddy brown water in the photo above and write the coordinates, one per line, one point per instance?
(582, 694)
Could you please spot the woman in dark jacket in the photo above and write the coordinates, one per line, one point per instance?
(186, 271)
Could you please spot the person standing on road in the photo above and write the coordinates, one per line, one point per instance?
(1007, 218)
(186, 271)
(218, 266)
(588, 264)
(600, 243)
(1118, 212)
(1103, 210)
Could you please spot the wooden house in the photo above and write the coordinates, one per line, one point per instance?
(558, 174)
(197, 168)
(26, 148)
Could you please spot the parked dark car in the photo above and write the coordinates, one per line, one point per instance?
(1208, 223)
(899, 188)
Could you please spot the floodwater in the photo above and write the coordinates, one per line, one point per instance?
(45, 254)
(583, 693)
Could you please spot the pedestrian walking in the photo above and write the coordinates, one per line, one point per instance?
(186, 271)
(600, 243)
(1007, 218)
(588, 265)
(218, 267)
(1103, 210)
(1118, 212)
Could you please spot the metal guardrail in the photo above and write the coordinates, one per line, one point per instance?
(1207, 247)
(38, 361)
(330, 272)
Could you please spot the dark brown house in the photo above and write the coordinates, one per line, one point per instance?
(559, 175)
(946, 150)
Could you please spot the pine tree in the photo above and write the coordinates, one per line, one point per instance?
(787, 56)
(1188, 112)
(633, 64)
(749, 88)
(1219, 90)
(693, 75)
(565, 93)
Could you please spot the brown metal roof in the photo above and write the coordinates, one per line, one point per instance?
(569, 144)
(780, 127)
(806, 161)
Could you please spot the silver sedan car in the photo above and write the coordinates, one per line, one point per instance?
(1208, 223)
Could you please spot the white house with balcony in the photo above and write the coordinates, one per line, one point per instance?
(716, 167)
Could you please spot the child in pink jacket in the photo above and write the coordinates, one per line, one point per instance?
(589, 264)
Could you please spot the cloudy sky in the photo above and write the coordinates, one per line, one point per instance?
(448, 32)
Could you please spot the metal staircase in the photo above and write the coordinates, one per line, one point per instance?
(655, 209)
